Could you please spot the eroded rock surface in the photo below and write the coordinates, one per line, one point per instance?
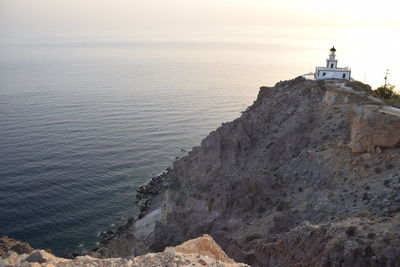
(374, 127)
(7, 244)
(309, 174)
(202, 251)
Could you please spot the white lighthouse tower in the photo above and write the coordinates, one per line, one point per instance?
(331, 71)
(331, 62)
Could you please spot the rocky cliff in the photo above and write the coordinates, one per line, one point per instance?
(202, 251)
(309, 175)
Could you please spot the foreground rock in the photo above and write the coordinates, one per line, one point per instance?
(202, 251)
(309, 175)
(9, 244)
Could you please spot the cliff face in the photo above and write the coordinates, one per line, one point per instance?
(197, 252)
(309, 175)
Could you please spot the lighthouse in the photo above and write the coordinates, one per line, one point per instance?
(331, 70)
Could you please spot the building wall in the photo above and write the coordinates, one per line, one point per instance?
(332, 74)
(331, 64)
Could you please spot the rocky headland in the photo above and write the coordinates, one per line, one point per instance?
(309, 175)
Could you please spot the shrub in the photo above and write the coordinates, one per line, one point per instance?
(371, 235)
(338, 245)
(351, 231)
(394, 101)
(386, 240)
(388, 93)
(359, 86)
(385, 91)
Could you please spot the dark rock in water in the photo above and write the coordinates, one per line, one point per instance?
(243, 183)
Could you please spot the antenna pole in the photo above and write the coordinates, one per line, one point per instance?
(386, 76)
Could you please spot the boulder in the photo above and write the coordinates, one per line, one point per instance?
(371, 127)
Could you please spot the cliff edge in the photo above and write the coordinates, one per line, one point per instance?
(309, 175)
(202, 251)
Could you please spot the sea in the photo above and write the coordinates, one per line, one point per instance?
(84, 123)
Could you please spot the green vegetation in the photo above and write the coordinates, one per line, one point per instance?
(359, 86)
(389, 94)
(386, 92)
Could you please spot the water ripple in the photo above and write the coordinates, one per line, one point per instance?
(81, 128)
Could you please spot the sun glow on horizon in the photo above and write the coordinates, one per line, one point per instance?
(364, 32)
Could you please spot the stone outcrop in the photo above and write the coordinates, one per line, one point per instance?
(7, 244)
(374, 127)
(202, 251)
(309, 175)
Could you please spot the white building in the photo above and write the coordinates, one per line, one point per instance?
(331, 71)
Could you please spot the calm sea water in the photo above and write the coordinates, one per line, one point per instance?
(83, 124)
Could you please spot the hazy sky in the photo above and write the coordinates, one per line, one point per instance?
(360, 28)
(111, 18)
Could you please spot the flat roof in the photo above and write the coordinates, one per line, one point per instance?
(341, 69)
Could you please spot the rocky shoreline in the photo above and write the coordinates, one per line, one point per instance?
(145, 195)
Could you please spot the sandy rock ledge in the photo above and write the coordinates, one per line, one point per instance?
(202, 251)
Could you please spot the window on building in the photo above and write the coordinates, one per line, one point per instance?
(331, 65)
(344, 75)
